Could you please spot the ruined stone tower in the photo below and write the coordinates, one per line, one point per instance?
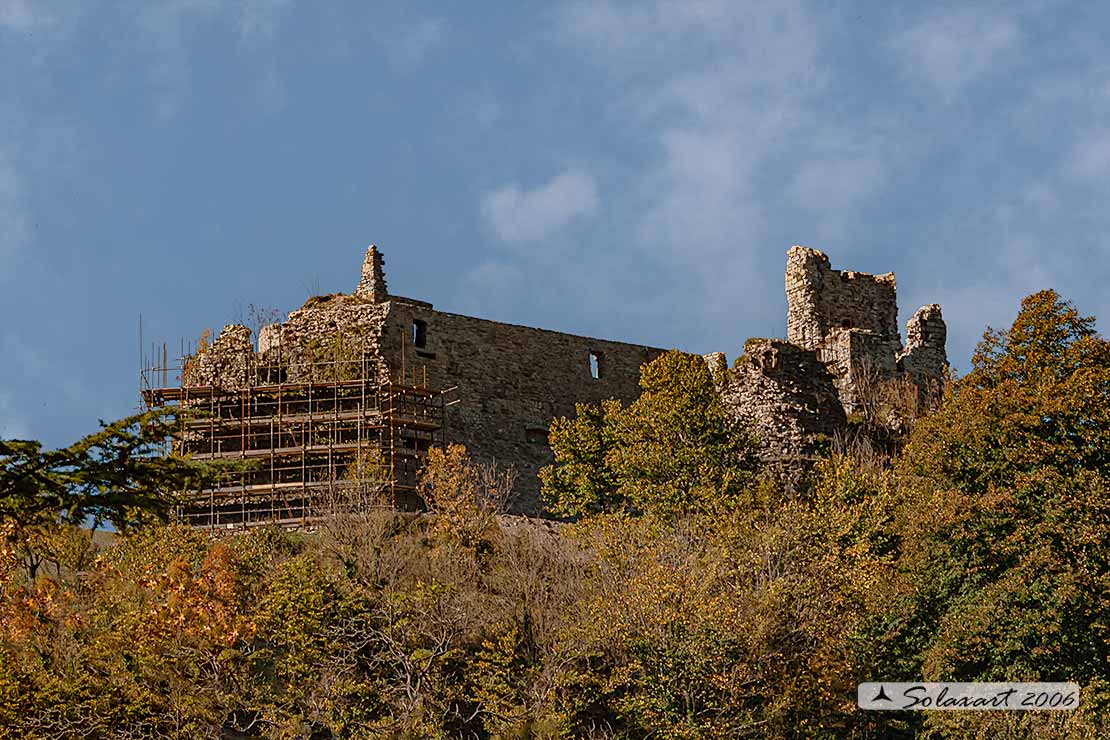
(820, 299)
(850, 319)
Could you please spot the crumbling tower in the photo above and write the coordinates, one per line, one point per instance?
(850, 319)
(821, 300)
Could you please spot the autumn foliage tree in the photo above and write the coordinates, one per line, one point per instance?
(689, 599)
(1005, 519)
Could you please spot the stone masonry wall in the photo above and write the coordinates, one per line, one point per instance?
(820, 299)
(925, 358)
(328, 328)
(511, 381)
(227, 363)
(855, 356)
(787, 396)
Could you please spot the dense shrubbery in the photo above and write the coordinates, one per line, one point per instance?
(688, 600)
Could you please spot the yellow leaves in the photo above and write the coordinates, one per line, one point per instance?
(464, 497)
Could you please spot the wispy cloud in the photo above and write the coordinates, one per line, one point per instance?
(727, 86)
(411, 44)
(727, 95)
(167, 24)
(24, 15)
(950, 49)
(259, 19)
(516, 216)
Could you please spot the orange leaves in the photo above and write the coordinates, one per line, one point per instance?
(202, 602)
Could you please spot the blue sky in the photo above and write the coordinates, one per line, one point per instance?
(630, 170)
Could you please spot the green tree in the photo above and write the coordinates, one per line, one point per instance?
(673, 450)
(120, 474)
(582, 481)
(1005, 523)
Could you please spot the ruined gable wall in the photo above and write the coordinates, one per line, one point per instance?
(512, 381)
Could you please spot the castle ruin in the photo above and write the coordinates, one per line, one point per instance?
(371, 376)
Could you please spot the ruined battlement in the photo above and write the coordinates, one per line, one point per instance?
(850, 319)
(820, 299)
(508, 382)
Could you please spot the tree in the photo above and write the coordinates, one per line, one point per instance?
(673, 450)
(581, 481)
(119, 474)
(1005, 523)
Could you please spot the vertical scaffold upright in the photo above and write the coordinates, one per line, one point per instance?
(308, 434)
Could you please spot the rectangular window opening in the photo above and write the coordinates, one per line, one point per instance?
(419, 333)
(596, 361)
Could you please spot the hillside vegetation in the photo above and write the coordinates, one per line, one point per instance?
(690, 597)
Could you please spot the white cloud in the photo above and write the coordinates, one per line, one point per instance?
(410, 46)
(22, 15)
(167, 16)
(727, 92)
(517, 215)
(756, 142)
(166, 26)
(40, 23)
(258, 19)
(1090, 157)
(952, 49)
(15, 220)
(727, 87)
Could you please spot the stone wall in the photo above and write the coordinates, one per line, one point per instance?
(788, 398)
(856, 357)
(820, 299)
(510, 381)
(924, 357)
(226, 363)
(345, 330)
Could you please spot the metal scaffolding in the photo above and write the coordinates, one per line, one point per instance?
(309, 434)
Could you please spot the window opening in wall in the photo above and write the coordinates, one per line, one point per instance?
(419, 333)
(846, 324)
(595, 365)
(536, 435)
